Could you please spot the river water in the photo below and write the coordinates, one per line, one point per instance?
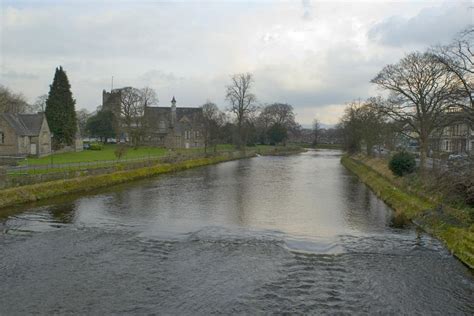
(297, 234)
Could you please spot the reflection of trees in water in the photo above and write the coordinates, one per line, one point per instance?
(364, 210)
(135, 200)
(64, 212)
(263, 189)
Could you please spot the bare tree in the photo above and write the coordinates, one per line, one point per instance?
(242, 102)
(316, 131)
(458, 58)
(131, 112)
(363, 124)
(40, 103)
(149, 96)
(213, 120)
(11, 102)
(82, 116)
(277, 113)
(421, 90)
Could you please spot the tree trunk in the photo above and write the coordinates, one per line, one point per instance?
(368, 149)
(423, 153)
(239, 135)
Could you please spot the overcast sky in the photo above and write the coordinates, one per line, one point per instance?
(315, 55)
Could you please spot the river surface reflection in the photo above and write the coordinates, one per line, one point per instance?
(295, 234)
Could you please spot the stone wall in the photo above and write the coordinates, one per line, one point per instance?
(10, 142)
(24, 145)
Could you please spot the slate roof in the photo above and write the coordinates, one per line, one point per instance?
(24, 124)
(156, 111)
(165, 112)
(155, 115)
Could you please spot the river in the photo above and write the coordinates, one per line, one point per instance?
(297, 234)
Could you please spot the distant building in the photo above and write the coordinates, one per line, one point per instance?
(457, 137)
(174, 127)
(111, 100)
(170, 127)
(24, 134)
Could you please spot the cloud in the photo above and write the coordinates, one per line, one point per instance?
(314, 55)
(13, 75)
(430, 26)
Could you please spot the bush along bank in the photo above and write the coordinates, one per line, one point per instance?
(454, 227)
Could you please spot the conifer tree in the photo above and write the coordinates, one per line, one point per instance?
(60, 110)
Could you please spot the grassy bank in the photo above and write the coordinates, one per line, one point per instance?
(452, 226)
(41, 191)
(107, 153)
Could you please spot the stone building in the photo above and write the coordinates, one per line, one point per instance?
(457, 137)
(111, 100)
(24, 134)
(174, 127)
(170, 127)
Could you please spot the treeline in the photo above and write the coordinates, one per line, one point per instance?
(242, 122)
(423, 93)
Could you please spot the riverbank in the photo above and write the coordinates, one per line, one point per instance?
(452, 226)
(40, 191)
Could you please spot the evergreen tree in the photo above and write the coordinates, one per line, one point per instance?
(101, 125)
(60, 110)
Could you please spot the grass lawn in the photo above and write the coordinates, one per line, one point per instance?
(107, 153)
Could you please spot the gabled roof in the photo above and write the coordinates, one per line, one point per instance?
(164, 112)
(24, 124)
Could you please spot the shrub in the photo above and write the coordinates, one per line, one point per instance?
(402, 163)
(95, 146)
(120, 151)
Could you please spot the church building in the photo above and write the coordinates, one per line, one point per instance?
(170, 127)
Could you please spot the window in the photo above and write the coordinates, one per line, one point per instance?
(187, 134)
(2, 138)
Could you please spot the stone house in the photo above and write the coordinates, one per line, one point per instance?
(24, 134)
(170, 127)
(174, 127)
(457, 137)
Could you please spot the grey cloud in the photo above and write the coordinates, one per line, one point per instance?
(13, 75)
(340, 74)
(158, 77)
(190, 50)
(431, 26)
